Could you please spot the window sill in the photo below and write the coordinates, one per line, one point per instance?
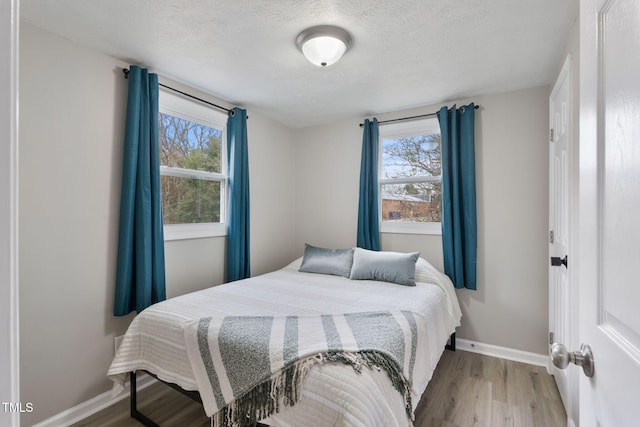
(194, 231)
(433, 228)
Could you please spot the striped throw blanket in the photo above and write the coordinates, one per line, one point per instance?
(247, 367)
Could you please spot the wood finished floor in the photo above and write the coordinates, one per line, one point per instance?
(467, 389)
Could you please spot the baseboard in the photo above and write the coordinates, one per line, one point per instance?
(91, 406)
(503, 352)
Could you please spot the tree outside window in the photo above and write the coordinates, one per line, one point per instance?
(192, 146)
(410, 174)
(193, 166)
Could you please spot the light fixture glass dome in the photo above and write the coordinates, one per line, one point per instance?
(324, 51)
(323, 45)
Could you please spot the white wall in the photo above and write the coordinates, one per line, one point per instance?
(9, 354)
(272, 189)
(327, 160)
(510, 307)
(72, 108)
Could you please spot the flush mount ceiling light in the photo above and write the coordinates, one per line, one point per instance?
(323, 45)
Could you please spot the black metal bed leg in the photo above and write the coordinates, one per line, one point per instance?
(452, 343)
(135, 414)
(134, 393)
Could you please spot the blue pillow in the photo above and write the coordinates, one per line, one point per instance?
(327, 261)
(393, 267)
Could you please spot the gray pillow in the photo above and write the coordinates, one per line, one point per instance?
(327, 261)
(394, 267)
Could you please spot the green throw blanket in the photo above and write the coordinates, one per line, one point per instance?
(248, 367)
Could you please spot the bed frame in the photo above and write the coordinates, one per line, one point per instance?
(194, 395)
(146, 421)
(452, 343)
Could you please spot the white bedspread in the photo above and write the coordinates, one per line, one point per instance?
(333, 394)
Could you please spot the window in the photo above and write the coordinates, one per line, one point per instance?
(410, 178)
(192, 168)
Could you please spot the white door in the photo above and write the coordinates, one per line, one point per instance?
(609, 217)
(560, 124)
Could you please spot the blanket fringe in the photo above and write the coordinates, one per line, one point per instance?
(284, 388)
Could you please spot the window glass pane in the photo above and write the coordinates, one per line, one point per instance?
(414, 202)
(411, 156)
(189, 145)
(190, 200)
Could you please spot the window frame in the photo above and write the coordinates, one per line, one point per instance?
(193, 111)
(426, 126)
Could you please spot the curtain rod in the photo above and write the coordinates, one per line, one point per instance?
(414, 117)
(230, 112)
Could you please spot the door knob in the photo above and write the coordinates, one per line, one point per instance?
(561, 357)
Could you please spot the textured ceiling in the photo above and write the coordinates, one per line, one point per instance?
(405, 53)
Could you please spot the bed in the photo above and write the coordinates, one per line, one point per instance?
(333, 392)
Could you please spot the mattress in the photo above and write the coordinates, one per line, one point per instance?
(332, 394)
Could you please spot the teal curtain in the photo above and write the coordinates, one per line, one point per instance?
(140, 276)
(238, 260)
(459, 226)
(368, 210)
